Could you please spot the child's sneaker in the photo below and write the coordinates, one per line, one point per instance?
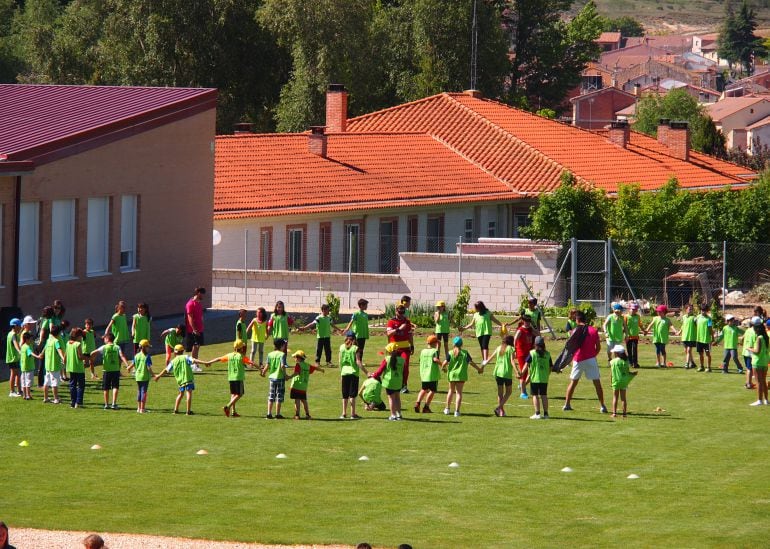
(270, 416)
(701, 369)
(426, 410)
(417, 408)
(392, 418)
(56, 401)
(46, 400)
(457, 414)
(724, 369)
(279, 416)
(106, 406)
(757, 403)
(603, 409)
(115, 407)
(343, 416)
(523, 396)
(567, 408)
(544, 416)
(446, 411)
(708, 369)
(534, 416)
(226, 410)
(740, 370)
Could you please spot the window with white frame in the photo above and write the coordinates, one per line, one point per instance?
(294, 259)
(62, 239)
(98, 236)
(29, 241)
(128, 217)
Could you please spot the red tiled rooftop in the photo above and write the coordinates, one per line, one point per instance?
(731, 105)
(608, 38)
(275, 174)
(36, 121)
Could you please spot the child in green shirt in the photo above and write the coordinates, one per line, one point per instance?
(181, 367)
(240, 326)
(730, 335)
(142, 366)
(112, 357)
(89, 344)
(441, 319)
(704, 336)
(54, 361)
(300, 382)
(324, 327)
(140, 325)
(621, 377)
(12, 357)
(276, 371)
(27, 358)
(359, 323)
(457, 374)
(505, 364)
(75, 367)
(350, 367)
(371, 394)
(236, 374)
(661, 328)
(688, 336)
(429, 374)
(540, 364)
(171, 338)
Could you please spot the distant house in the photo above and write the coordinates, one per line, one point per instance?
(418, 177)
(596, 109)
(609, 41)
(735, 117)
(106, 194)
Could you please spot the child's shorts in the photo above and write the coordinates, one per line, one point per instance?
(443, 337)
(110, 380)
(503, 381)
(349, 386)
(703, 347)
(14, 366)
(747, 363)
(660, 348)
(296, 394)
(430, 386)
(277, 390)
(187, 387)
(688, 344)
(26, 379)
(538, 389)
(236, 388)
(52, 379)
(484, 341)
(141, 390)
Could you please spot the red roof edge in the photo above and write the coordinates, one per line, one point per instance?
(16, 167)
(119, 129)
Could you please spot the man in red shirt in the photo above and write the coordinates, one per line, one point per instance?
(400, 332)
(193, 317)
(584, 362)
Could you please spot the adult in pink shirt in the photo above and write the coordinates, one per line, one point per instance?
(584, 362)
(193, 320)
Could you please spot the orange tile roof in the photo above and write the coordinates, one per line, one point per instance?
(529, 152)
(731, 105)
(275, 174)
(608, 37)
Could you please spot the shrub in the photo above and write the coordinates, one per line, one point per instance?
(460, 307)
(334, 307)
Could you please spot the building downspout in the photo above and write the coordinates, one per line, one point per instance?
(17, 226)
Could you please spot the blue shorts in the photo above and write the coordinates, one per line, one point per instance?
(747, 362)
(187, 387)
(660, 348)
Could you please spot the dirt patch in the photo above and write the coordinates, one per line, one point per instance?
(30, 538)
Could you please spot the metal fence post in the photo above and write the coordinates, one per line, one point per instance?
(245, 265)
(724, 276)
(460, 264)
(608, 276)
(350, 267)
(574, 264)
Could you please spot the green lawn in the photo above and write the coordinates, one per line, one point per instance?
(696, 461)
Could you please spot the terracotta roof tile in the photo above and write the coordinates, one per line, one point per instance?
(731, 105)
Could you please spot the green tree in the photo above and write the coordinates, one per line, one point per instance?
(625, 25)
(727, 42)
(548, 53)
(680, 105)
(10, 61)
(572, 210)
(748, 44)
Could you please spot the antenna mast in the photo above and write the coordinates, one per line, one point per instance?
(474, 48)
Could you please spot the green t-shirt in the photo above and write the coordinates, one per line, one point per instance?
(703, 329)
(539, 366)
(235, 368)
(348, 364)
(759, 360)
(483, 323)
(503, 366)
(688, 327)
(141, 327)
(323, 326)
(442, 326)
(301, 379)
(621, 373)
(110, 357)
(457, 369)
(749, 338)
(660, 329)
(141, 364)
(534, 314)
(27, 362)
(89, 341)
(360, 324)
(429, 370)
(280, 326)
(633, 325)
(181, 366)
(393, 378)
(52, 357)
(730, 335)
(240, 330)
(172, 338)
(120, 329)
(372, 392)
(11, 354)
(614, 324)
(276, 361)
(73, 362)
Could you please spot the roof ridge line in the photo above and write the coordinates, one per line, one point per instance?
(395, 108)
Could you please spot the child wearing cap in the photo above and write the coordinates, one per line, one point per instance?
(236, 374)
(300, 382)
(371, 394)
(661, 328)
(749, 338)
(441, 319)
(13, 356)
(276, 372)
(688, 336)
(350, 366)
(429, 374)
(503, 372)
(359, 323)
(457, 374)
(540, 364)
(633, 321)
(614, 328)
(75, 366)
(112, 357)
(323, 327)
(391, 375)
(730, 334)
(27, 358)
(621, 376)
(181, 367)
(704, 336)
(142, 366)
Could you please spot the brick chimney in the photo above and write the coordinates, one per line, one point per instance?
(476, 94)
(243, 127)
(663, 131)
(679, 140)
(620, 132)
(316, 141)
(336, 108)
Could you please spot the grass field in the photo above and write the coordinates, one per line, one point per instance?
(699, 464)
